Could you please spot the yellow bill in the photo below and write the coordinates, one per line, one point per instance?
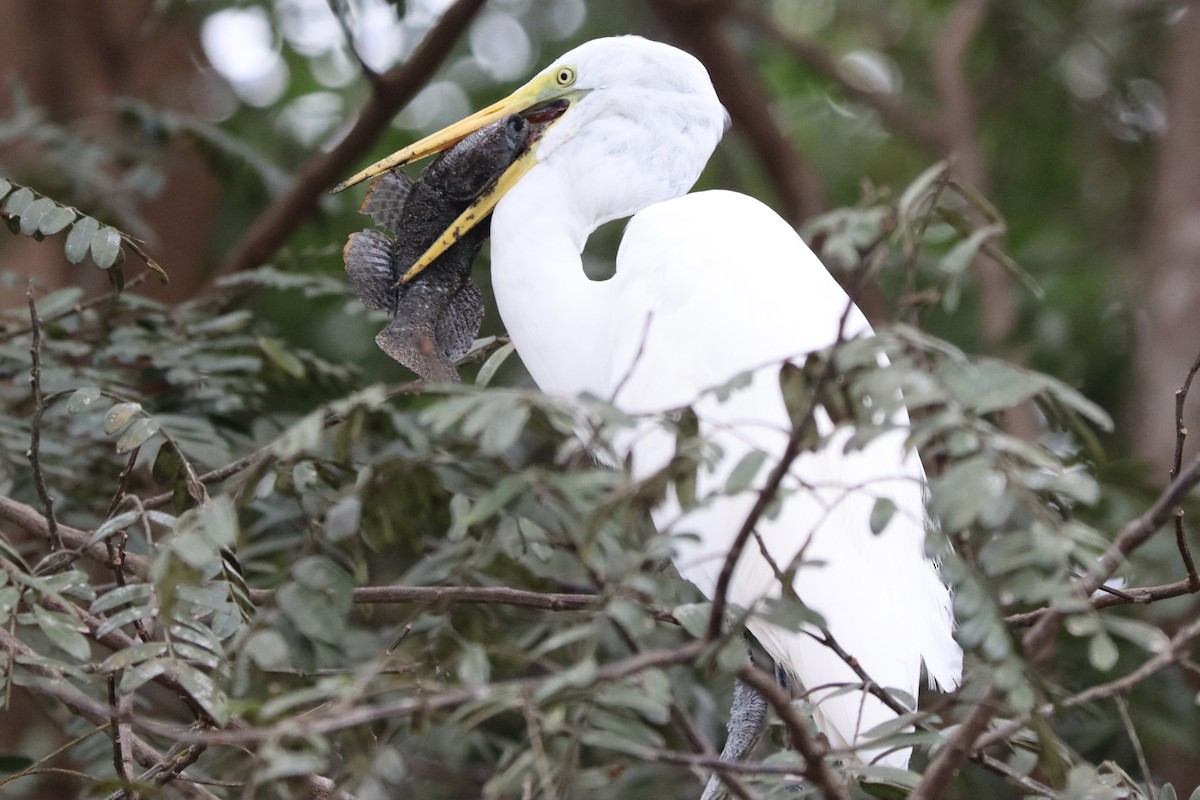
(542, 101)
(474, 213)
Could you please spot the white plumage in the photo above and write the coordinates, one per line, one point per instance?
(707, 286)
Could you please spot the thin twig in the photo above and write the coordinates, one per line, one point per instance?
(1141, 595)
(78, 308)
(541, 762)
(816, 769)
(122, 760)
(35, 436)
(33, 523)
(1171, 654)
(1181, 433)
(338, 9)
(1135, 740)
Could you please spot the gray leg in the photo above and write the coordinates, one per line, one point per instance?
(747, 715)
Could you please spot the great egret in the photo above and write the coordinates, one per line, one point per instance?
(707, 286)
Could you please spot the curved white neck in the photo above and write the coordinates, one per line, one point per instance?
(551, 309)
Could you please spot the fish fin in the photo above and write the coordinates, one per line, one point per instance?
(418, 352)
(369, 266)
(385, 199)
(459, 323)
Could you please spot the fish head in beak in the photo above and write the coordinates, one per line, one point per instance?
(541, 102)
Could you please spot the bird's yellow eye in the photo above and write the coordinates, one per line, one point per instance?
(565, 76)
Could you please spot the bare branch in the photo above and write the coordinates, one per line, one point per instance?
(815, 768)
(35, 436)
(1141, 595)
(1181, 433)
(29, 520)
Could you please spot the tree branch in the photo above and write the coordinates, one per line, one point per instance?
(389, 93)
(698, 28)
(815, 768)
(339, 719)
(924, 129)
(29, 520)
(35, 435)
(1181, 432)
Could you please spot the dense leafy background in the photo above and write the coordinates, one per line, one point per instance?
(260, 464)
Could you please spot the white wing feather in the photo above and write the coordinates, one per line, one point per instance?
(711, 285)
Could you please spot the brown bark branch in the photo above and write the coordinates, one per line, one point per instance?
(338, 719)
(28, 519)
(816, 769)
(923, 129)
(389, 93)
(1140, 595)
(698, 28)
(1181, 432)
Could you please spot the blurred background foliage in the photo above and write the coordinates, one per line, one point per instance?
(1060, 237)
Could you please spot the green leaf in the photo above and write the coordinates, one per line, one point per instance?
(137, 434)
(105, 247)
(747, 469)
(79, 240)
(881, 514)
(18, 201)
(121, 595)
(504, 430)
(693, 617)
(134, 654)
(120, 417)
(1102, 652)
(126, 616)
(1146, 636)
(909, 205)
(277, 352)
(31, 217)
(494, 362)
(134, 677)
(474, 669)
(82, 399)
(202, 689)
(60, 300)
(56, 219)
(267, 649)
(64, 631)
(963, 253)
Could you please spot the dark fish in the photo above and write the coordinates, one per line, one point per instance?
(436, 315)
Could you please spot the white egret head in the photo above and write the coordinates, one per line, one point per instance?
(630, 121)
